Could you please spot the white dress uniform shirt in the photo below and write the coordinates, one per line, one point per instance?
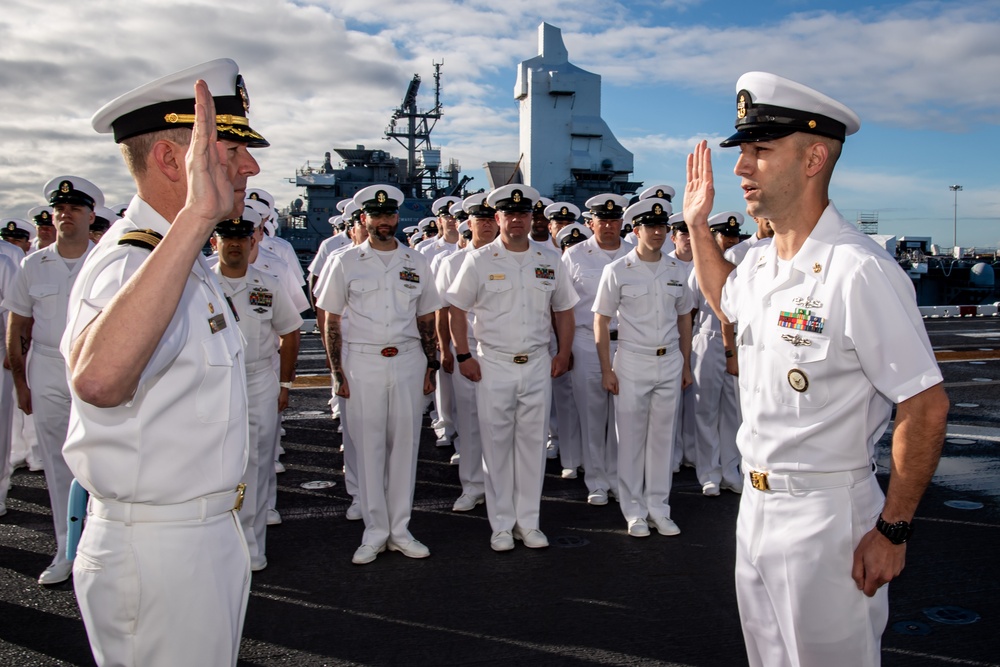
(162, 551)
(595, 406)
(284, 250)
(684, 426)
(11, 251)
(270, 263)
(828, 341)
(40, 290)
(383, 301)
(335, 242)
(648, 298)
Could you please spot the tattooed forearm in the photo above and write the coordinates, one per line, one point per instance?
(428, 335)
(25, 345)
(333, 346)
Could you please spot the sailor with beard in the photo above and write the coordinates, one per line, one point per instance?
(384, 368)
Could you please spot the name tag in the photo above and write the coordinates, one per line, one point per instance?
(217, 323)
(498, 276)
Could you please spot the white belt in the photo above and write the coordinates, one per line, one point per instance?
(46, 350)
(519, 358)
(198, 509)
(384, 350)
(667, 348)
(806, 481)
(708, 333)
(260, 365)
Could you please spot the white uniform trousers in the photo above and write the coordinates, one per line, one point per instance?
(262, 402)
(798, 604)
(596, 410)
(50, 403)
(470, 440)
(444, 402)
(163, 593)
(384, 414)
(646, 408)
(6, 414)
(513, 401)
(684, 429)
(23, 439)
(350, 452)
(717, 458)
(567, 426)
(272, 482)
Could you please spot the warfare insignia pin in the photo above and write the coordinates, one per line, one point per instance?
(798, 380)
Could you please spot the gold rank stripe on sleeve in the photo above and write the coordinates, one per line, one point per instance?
(141, 238)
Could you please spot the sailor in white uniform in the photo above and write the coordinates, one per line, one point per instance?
(7, 270)
(594, 404)
(18, 233)
(265, 315)
(158, 431)
(647, 291)
(42, 217)
(684, 449)
(517, 288)
(37, 302)
(829, 339)
(389, 366)
(717, 459)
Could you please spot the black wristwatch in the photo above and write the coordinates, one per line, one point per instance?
(463, 357)
(897, 533)
(434, 364)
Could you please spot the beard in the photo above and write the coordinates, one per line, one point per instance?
(382, 231)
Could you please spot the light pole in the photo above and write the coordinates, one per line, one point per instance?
(956, 189)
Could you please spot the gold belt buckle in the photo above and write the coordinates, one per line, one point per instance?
(520, 358)
(759, 481)
(660, 351)
(241, 492)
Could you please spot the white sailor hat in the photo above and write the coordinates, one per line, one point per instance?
(41, 216)
(411, 230)
(771, 107)
(259, 207)
(271, 226)
(476, 206)
(416, 238)
(342, 204)
(168, 103)
(607, 205)
(649, 211)
(465, 231)
(726, 223)
(103, 217)
(120, 209)
(562, 211)
(587, 215)
(677, 223)
(17, 228)
(379, 199)
(458, 212)
(541, 205)
(427, 223)
(240, 227)
(442, 205)
(73, 190)
(351, 211)
(572, 234)
(335, 220)
(659, 191)
(263, 196)
(513, 197)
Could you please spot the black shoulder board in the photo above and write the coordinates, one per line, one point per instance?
(141, 238)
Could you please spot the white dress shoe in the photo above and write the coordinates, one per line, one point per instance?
(638, 528)
(273, 518)
(258, 564)
(533, 539)
(735, 488)
(569, 473)
(353, 512)
(665, 526)
(710, 489)
(467, 502)
(598, 497)
(502, 541)
(366, 553)
(279, 467)
(411, 549)
(56, 573)
(455, 459)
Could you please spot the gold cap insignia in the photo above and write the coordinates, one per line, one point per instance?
(11, 226)
(44, 215)
(241, 89)
(575, 233)
(516, 196)
(381, 196)
(657, 209)
(539, 204)
(660, 194)
(812, 125)
(742, 102)
(254, 196)
(610, 205)
(732, 221)
(65, 187)
(564, 211)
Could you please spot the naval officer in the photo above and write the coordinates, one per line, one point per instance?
(517, 288)
(37, 302)
(389, 366)
(19, 233)
(594, 404)
(158, 431)
(264, 313)
(829, 339)
(647, 293)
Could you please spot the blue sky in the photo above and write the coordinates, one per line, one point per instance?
(923, 76)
